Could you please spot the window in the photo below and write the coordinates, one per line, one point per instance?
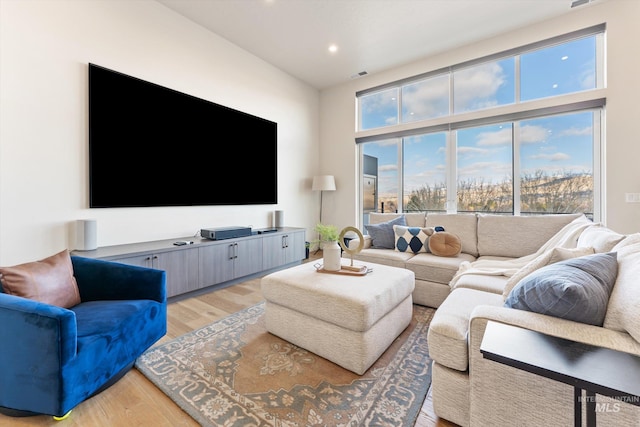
(516, 133)
(426, 99)
(379, 109)
(485, 169)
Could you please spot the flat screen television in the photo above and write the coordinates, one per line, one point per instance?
(154, 146)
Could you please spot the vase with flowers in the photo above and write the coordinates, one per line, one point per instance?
(331, 251)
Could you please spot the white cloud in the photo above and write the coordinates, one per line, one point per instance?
(577, 132)
(476, 87)
(489, 171)
(501, 137)
(388, 168)
(467, 151)
(532, 134)
(427, 98)
(555, 157)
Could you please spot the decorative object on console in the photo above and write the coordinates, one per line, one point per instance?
(323, 183)
(278, 219)
(86, 234)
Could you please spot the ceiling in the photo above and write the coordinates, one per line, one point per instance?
(371, 35)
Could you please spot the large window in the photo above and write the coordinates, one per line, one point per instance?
(516, 133)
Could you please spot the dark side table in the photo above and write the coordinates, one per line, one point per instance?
(585, 367)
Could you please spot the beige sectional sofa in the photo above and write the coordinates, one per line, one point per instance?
(469, 290)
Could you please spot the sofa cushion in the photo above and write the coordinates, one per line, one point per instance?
(600, 238)
(382, 236)
(482, 282)
(434, 268)
(517, 236)
(577, 289)
(549, 257)
(462, 225)
(389, 257)
(623, 313)
(444, 244)
(413, 219)
(448, 330)
(49, 280)
(412, 239)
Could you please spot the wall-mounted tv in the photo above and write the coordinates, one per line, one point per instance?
(154, 146)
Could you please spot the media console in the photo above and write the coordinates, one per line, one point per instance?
(210, 263)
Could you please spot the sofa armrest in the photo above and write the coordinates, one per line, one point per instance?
(353, 243)
(503, 395)
(107, 280)
(37, 338)
(549, 325)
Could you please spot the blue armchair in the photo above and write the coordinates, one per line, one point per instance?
(52, 358)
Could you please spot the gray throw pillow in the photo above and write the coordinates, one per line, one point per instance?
(382, 235)
(577, 289)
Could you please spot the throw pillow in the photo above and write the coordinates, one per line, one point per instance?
(412, 239)
(577, 289)
(548, 257)
(382, 236)
(50, 281)
(600, 237)
(444, 243)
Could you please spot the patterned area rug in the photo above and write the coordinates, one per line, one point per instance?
(234, 373)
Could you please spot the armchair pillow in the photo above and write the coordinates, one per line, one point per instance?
(49, 280)
(577, 289)
(382, 236)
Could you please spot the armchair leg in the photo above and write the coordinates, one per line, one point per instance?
(62, 417)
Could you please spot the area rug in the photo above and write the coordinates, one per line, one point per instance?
(234, 373)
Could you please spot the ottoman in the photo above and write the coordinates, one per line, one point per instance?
(349, 320)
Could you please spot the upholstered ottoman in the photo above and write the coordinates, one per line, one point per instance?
(349, 320)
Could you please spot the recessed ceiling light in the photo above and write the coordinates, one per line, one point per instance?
(333, 48)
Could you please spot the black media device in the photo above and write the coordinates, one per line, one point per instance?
(222, 233)
(154, 146)
(267, 230)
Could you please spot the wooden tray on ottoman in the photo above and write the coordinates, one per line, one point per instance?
(346, 270)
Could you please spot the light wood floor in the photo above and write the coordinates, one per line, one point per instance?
(135, 401)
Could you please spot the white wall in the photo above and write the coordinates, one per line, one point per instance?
(622, 138)
(45, 46)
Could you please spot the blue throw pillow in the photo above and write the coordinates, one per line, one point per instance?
(382, 236)
(577, 289)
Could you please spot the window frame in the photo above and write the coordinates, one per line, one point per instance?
(566, 103)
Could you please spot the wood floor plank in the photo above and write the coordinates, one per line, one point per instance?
(135, 401)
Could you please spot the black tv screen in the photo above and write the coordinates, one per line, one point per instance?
(153, 146)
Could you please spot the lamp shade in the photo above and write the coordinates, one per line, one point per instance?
(323, 183)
